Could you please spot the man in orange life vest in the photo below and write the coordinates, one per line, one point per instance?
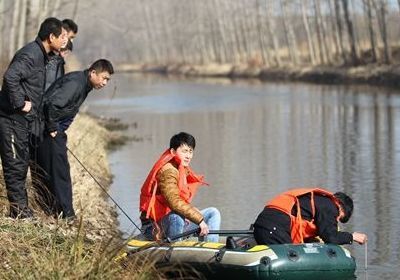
(166, 195)
(300, 215)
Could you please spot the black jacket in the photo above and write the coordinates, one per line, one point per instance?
(64, 97)
(24, 80)
(54, 69)
(326, 213)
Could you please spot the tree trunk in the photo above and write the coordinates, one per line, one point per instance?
(151, 55)
(334, 32)
(290, 36)
(328, 50)
(56, 7)
(240, 43)
(355, 27)
(354, 58)
(272, 34)
(1, 32)
(340, 30)
(22, 24)
(234, 50)
(371, 31)
(203, 50)
(320, 35)
(382, 19)
(214, 36)
(262, 44)
(244, 31)
(75, 10)
(13, 35)
(221, 32)
(308, 33)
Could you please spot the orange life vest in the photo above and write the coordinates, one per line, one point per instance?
(152, 202)
(300, 229)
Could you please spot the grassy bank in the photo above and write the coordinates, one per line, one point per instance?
(373, 74)
(49, 248)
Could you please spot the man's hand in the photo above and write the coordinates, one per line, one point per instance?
(203, 228)
(360, 238)
(53, 134)
(27, 107)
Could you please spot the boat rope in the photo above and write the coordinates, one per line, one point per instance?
(104, 190)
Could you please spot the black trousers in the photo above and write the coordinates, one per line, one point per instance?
(14, 152)
(272, 227)
(52, 160)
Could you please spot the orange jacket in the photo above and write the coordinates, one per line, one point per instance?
(300, 229)
(152, 202)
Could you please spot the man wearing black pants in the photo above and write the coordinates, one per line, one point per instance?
(20, 98)
(61, 104)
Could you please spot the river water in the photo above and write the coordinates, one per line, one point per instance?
(255, 140)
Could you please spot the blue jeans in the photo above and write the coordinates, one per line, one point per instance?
(174, 224)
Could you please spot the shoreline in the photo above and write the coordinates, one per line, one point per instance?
(371, 74)
(89, 141)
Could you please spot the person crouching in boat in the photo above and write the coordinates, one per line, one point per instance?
(301, 215)
(166, 195)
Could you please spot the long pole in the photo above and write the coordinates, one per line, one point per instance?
(104, 190)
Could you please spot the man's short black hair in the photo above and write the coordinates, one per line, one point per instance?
(347, 205)
(70, 25)
(49, 26)
(102, 65)
(68, 47)
(182, 138)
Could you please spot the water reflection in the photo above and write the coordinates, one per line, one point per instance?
(256, 140)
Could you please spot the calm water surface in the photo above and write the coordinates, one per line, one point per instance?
(255, 140)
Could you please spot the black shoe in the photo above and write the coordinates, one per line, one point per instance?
(18, 213)
(71, 220)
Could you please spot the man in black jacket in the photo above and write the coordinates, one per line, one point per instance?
(45, 199)
(55, 68)
(301, 215)
(61, 104)
(20, 98)
(71, 27)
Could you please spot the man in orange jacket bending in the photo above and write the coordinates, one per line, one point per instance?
(300, 215)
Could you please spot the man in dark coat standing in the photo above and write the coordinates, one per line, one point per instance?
(20, 99)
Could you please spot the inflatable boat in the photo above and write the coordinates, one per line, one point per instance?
(243, 259)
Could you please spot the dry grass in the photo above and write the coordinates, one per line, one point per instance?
(49, 248)
(33, 249)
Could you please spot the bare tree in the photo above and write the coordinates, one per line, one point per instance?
(262, 40)
(75, 10)
(318, 26)
(340, 29)
(272, 34)
(1, 30)
(334, 30)
(371, 30)
(22, 24)
(304, 13)
(289, 34)
(381, 7)
(13, 33)
(350, 31)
